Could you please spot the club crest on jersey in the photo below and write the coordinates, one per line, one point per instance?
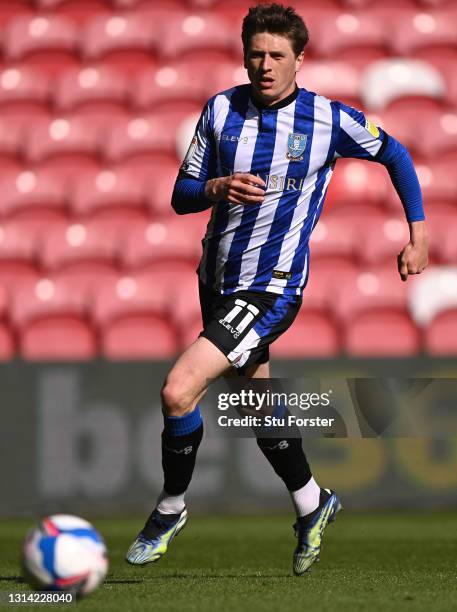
(296, 144)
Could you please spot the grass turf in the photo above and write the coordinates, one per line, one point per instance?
(373, 562)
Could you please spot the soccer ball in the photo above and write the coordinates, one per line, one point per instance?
(64, 553)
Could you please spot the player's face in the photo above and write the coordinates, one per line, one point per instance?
(271, 65)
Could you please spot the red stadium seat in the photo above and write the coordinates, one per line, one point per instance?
(441, 226)
(449, 74)
(158, 12)
(405, 124)
(169, 85)
(198, 35)
(433, 292)
(24, 96)
(18, 256)
(316, 14)
(441, 58)
(379, 244)
(422, 29)
(427, 131)
(13, 9)
(177, 286)
(447, 250)
(139, 137)
(325, 282)
(371, 290)
(124, 41)
(441, 334)
(53, 324)
(7, 341)
(131, 315)
(47, 41)
(25, 86)
(346, 31)
(184, 135)
(159, 186)
(233, 12)
(85, 253)
(333, 79)
(184, 304)
(356, 216)
(95, 86)
(11, 144)
(439, 134)
(334, 240)
(78, 11)
(437, 179)
(356, 182)
(145, 136)
(229, 74)
(32, 195)
(109, 193)
(152, 245)
(376, 5)
(71, 143)
(447, 4)
(383, 333)
(401, 81)
(313, 334)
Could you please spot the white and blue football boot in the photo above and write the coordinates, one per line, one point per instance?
(155, 537)
(310, 529)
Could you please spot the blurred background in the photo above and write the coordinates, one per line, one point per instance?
(98, 294)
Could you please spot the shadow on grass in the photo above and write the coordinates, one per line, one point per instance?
(17, 579)
(216, 576)
(126, 581)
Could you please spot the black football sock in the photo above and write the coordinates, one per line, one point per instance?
(181, 438)
(282, 446)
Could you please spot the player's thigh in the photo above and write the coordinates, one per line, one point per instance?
(188, 379)
(258, 370)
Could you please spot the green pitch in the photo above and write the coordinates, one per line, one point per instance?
(370, 562)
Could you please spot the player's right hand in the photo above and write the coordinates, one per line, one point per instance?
(238, 188)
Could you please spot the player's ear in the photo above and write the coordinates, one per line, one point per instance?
(299, 61)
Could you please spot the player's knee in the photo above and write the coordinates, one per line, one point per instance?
(175, 400)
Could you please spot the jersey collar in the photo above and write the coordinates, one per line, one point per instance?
(281, 104)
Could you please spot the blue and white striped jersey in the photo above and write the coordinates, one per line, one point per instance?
(293, 147)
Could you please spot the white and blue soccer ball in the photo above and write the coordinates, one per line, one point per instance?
(64, 553)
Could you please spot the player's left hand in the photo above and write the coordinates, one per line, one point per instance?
(414, 257)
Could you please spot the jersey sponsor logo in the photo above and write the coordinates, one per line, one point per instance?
(296, 144)
(240, 307)
(370, 126)
(282, 275)
(273, 182)
(233, 138)
(189, 154)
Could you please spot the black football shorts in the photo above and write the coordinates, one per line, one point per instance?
(243, 324)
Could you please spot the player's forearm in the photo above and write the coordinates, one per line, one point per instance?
(189, 196)
(404, 178)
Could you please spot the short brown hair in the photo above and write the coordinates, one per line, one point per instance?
(275, 19)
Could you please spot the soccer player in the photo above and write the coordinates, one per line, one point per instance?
(262, 157)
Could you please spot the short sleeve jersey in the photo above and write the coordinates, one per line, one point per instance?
(293, 147)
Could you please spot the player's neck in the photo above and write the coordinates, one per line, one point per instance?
(276, 104)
